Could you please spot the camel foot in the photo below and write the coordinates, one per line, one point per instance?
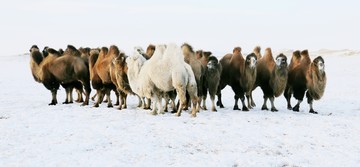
(264, 108)
(154, 113)
(245, 108)
(203, 108)
(235, 107)
(296, 108)
(85, 103)
(312, 111)
(274, 109)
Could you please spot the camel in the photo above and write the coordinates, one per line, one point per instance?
(54, 70)
(168, 96)
(197, 68)
(240, 74)
(212, 80)
(164, 72)
(118, 70)
(306, 76)
(271, 77)
(101, 79)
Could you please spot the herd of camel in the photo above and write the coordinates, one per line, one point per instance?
(166, 72)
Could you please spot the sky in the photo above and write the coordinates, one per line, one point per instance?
(216, 26)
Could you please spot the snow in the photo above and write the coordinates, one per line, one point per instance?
(35, 134)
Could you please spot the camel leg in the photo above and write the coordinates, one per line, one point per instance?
(68, 96)
(53, 94)
(93, 97)
(310, 102)
(273, 108)
(79, 95)
(87, 89)
(252, 100)
(140, 103)
(244, 108)
(204, 103)
(182, 98)
(195, 107)
(287, 95)
(212, 98)
(219, 102)
(236, 107)
(71, 95)
(121, 102)
(166, 108)
(107, 92)
(147, 104)
(117, 94)
(264, 106)
(249, 100)
(124, 100)
(100, 96)
(154, 110)
(173, 106)
(160, 107)
(297, 106)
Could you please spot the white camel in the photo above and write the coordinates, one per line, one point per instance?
(164, 72)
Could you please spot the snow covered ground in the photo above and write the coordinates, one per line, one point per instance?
(35, 134)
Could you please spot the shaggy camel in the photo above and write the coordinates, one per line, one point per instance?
(212, 80)
(306, 76)
(164, 72)
(118, 70)
(55, 69)
(238, 73)
(197, 68)
(168, 96)
(271, 77)
(101, 80)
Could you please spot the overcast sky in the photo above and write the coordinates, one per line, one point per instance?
(209, 25)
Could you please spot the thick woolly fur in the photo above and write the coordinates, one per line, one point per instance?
(271, 77)
(212, 80)
(101, 79)
(164, 72)
(70, 71)
(238, 73)
(306, 77)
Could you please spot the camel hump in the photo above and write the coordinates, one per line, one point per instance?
(268, 54)
(187, 49)
(114, 50)
(53, 51)
(305, 58)
(296, 53)
(237, 49)
(71, 47)
(257, 49)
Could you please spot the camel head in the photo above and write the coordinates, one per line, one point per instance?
(45, 51)
(251, 60)
(320, 64)
(34, 48)
(281, 61)
(213, 62)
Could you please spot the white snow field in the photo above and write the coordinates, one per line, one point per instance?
(35, 134)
